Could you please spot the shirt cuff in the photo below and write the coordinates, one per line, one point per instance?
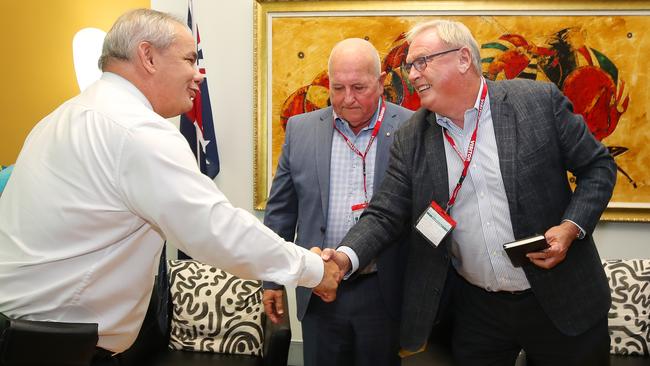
(354, 260)
(313, 272)
(582, 233)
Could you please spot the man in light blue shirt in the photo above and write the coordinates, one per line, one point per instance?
(494, 156)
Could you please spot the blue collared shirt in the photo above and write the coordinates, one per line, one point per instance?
(346, 178)
(481, 209)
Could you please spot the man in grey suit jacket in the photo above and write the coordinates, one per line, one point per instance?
(516, 185)
(319, 180)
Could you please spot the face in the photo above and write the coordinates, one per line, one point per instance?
(354, 89)
(176, 81)
(436, 83)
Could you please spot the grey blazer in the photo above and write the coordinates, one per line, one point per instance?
(538, 140)
(298, 202)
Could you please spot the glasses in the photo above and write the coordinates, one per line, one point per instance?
(420, 63)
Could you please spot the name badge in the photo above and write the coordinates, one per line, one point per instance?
(357, 210)
(435, 224)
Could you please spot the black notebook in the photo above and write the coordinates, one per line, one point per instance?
(518, 249)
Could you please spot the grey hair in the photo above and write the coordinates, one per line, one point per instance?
(134, 27)
(452, 33)
(362, 44)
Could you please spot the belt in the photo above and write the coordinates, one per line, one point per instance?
(501, 293)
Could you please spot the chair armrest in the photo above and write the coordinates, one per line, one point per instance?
(277, 338)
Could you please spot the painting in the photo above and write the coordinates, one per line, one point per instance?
(593, 51)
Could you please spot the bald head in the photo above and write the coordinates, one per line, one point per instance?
(356, 82)
(356, 49)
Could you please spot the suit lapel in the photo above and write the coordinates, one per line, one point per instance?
(384, 141)
(436, 163)
(323, 145)
(505, 132)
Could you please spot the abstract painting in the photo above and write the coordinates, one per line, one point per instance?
(596, 58)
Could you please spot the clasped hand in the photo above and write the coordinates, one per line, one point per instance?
(336, 264)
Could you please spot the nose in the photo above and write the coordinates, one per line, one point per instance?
(349, 96)
(198, 76)
(413, 74)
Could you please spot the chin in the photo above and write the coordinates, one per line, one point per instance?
(352, 117)
(187, 108)
(427, 101)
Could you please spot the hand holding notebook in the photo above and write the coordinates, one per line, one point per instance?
(518, 249)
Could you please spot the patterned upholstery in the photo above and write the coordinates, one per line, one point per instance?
(214, 311)
(629, 316)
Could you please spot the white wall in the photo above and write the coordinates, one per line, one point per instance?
(227, 36)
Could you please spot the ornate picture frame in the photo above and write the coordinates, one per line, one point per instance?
(292, 40)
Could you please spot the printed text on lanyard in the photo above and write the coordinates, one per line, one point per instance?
(470, 150)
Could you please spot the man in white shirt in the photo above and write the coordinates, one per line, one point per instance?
(104, 179)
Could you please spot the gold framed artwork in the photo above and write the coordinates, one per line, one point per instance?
(593, 50)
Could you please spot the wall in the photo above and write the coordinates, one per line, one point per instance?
(37, 70)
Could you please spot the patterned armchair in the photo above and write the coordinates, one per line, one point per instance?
(629, 316)
(215, 318)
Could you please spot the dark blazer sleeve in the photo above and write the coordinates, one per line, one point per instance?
(548, 141)
(389, 209)
(281, 212)
(588, 159)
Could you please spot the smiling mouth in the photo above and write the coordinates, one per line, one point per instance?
(422, 88)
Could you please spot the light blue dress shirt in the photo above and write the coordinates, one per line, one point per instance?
(481, 209)
(346, 178)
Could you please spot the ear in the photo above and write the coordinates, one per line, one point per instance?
(382, 78)
(464, 60)
(145, 53)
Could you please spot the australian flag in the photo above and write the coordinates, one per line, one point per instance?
(197, 125)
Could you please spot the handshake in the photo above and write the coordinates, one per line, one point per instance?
(336, 265)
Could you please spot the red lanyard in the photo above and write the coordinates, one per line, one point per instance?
(375, 131)
(470, 150)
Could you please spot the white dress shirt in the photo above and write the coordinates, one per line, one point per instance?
(97, 187)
